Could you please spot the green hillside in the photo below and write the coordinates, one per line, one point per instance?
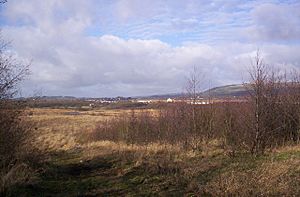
(228, 90)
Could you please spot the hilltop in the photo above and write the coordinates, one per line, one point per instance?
(226, 91)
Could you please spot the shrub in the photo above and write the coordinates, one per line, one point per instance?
(15, 149)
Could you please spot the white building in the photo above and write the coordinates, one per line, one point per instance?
(169, 100)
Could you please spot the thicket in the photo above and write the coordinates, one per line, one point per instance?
(268, 117)
(17, 156)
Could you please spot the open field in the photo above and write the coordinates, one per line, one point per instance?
(74, 166)
(61, 129)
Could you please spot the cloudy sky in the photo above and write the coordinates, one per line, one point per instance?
(141, 47)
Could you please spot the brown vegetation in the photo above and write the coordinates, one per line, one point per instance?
(268, 118)
(16, 153)
(152, 167)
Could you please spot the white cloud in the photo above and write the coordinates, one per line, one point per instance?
(275, 22)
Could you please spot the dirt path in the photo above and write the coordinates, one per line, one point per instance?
(67, 175)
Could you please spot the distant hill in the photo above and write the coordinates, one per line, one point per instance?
(221, 91)
(226, 91)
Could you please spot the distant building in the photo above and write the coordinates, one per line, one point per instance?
(169, 100)
(144, 101)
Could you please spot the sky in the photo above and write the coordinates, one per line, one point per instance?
(98, 48)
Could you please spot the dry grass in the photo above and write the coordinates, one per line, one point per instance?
(209, 172)
(58, 129)
(268, 178)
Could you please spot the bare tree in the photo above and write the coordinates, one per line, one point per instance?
(194, 84)
(193, 88)
(264, 119)
(11, 72)
(258, 76)
(291, 107)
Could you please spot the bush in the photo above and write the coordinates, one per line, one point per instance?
(233, 123)
(169, 124)
(14, 145)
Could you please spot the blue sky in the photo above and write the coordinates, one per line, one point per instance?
(133, 47)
